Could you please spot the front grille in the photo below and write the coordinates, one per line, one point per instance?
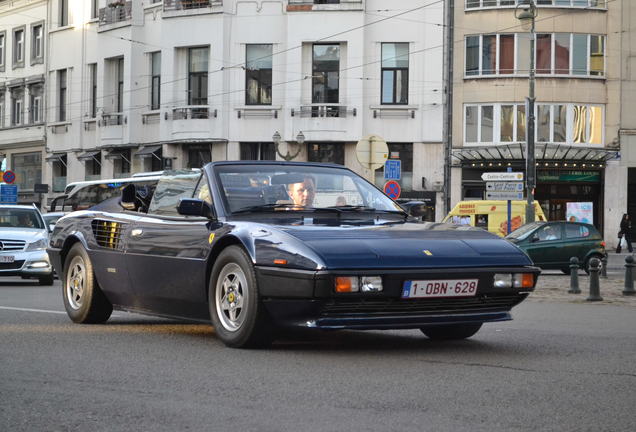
(15, 265)
(395, 307)
(11, 245)
(107, 233)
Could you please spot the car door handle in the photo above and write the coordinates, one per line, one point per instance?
(137, 232)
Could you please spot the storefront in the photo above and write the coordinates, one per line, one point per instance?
(570, 180)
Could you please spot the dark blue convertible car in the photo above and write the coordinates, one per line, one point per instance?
(256, 246)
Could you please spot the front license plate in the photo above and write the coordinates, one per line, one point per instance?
(439, 288)
(7, 258)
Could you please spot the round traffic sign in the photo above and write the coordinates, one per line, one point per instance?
(392, 189)
(372, 151)
(8, 176)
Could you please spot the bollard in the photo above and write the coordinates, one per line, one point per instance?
(604, 267)
(629, 276)
(574, 276)
(595, 290)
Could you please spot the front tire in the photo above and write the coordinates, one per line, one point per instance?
(451, 331)
(84, 301)
(236, 311)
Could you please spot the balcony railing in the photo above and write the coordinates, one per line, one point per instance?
(324, 110)
(113, 119)
(313, 2)
(189, 4)
(192, 112)
(115, 12)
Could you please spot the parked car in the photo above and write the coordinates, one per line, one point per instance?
(23, 241)
(254, 246)
(51, 218)
(550, 245)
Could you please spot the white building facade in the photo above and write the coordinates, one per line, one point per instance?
(23, 46)
(143, 85)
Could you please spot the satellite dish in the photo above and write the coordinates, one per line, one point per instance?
(372, 151)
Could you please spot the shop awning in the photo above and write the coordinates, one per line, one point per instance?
(149, 151)
(117, 154)
(543, 152)
(57, 157)
(90, 155)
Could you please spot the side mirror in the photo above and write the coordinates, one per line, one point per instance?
(534, 239)
(128, 197)
(194, 207)
(51, 227)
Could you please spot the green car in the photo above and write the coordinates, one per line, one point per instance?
(551, 244)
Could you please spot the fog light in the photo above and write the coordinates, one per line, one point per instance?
(371, 284)
(523, 280)
(503, 280)
(346, 284)
(39, 264)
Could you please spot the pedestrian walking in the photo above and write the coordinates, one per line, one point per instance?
(624, 233)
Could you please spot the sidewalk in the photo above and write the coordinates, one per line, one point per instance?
(617, 261)
(554, 287)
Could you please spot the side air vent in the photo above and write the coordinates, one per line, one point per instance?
(107, 233)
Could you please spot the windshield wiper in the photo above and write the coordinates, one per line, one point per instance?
(268, 207)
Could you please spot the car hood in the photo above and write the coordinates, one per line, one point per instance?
(26, 234)
(413, 245)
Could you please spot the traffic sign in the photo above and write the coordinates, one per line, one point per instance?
(392, 189)
(392, 169)
(504, 186)
(504, 196)
(372, 151)
(502, 176)
(8, 176)
(8, 194)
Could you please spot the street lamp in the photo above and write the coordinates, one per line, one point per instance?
(300, 139)
(526, 13)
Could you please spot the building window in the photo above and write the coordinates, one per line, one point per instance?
(62, 19)
(556, 54)
(555, 123)
(258, 74)
(37, 43)
(121, 164)
(18, 48)
(3, 38)
(17, 107)
(59, 173)
(61, 95)
(326, 152)
(258, 151)
(2, 111)
(92, 74)
(155, 84)
(198, 76)
(199, 155)
(94, 9)
(395, 73)
(478, 4)
(35, 103)
(93, 167)
(28, 169)
(120, 84)
(326, 73)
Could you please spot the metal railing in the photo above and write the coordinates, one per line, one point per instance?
(115, 12)
(189, 4)
(112, 119)
(324, 110)
(192, 112)
(314, 1)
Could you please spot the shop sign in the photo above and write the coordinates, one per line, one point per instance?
(578, 176)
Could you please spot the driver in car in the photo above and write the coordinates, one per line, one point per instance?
(303, 193)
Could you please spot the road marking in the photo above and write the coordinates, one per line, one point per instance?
(32, 310)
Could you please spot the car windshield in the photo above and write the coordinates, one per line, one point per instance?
(298, 187)
(19, 218)
(523, 231)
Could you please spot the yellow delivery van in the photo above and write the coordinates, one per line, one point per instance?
(492, 215)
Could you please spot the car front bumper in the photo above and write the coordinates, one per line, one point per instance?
(32, 263)
(306, 299)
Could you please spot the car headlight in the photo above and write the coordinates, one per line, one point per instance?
(37, 245)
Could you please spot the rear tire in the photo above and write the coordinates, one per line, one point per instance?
(84, 301)
(46, 280)
(451, 331)
(236, 311)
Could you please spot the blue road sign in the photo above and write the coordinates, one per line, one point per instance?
(393, 169)
(8, 194)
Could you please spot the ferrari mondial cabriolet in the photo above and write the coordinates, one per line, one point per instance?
(257, 246)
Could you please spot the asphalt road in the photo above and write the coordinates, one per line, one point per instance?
(556, 367)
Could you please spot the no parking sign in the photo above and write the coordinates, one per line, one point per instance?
(8, 177)
(392, 189)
